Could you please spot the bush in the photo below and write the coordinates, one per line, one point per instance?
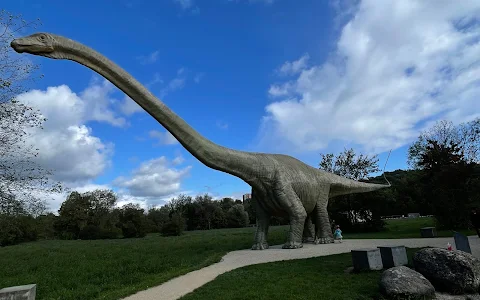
(237, 216)
(16, 229)
(45, 226)
(173, 227)
(132, 221)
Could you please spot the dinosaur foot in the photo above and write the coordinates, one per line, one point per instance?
(292, 245)
(260, 246)
(324, 241)
(308, 240)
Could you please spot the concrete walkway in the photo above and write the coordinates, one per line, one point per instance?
(180, 286)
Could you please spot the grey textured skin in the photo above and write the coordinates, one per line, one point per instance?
(281, 184)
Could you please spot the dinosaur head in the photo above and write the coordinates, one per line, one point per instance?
(42, 44)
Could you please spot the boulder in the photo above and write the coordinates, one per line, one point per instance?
(454, 272)
(404, 283)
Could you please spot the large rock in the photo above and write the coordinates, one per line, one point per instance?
(455, 272)
(404, 283)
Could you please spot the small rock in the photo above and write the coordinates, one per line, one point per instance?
(404, 283)
(454, 272)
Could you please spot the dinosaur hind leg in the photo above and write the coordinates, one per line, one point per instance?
(263, 221)
(323, 229)
(308, 230)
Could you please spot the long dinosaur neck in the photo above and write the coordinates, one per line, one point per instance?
(237, 163)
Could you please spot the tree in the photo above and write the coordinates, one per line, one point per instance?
(466, 136)
(353, 212)
(15, 70)
(73, 216)
(237, 216)
(348, 164)
(133, 221)
(437, 155)
(19, 174)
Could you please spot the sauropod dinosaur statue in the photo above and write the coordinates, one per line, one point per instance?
(281, 185)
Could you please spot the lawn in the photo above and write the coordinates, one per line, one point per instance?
(404, 228)
(111, 269)
(312, 278)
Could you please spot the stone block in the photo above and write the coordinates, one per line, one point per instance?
(21, 292)
(428, 232)
(393, 256)
(462, 243)
(367, 259)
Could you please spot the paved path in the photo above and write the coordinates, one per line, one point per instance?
(180, 286)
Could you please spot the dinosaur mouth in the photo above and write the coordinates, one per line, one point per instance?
(21, 46)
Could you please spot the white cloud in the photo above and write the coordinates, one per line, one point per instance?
(164, 138)
(129, 107)
(188, 5)
(268, 2)
(198, 77)
(154, 178)
(294, 67)
(149, 59)
(184, 4)
(397, 65)
(67, 146)
(175, 84)
(222, 125)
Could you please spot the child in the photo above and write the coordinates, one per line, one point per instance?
(338, 233)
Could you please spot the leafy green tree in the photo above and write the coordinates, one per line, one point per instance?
(237, 216)
(174, 226)
(226, 203)
(451, 183)
(133, 221)
(466, 136)
(73, 216)
(158, 217)
(353, 212)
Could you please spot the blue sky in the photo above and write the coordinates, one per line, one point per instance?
(278, 76)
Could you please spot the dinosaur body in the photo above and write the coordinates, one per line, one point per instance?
(281, 184)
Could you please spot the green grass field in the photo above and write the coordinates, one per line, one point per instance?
(110, 269)
(312, 278)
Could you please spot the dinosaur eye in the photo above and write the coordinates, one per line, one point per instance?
(42, 37)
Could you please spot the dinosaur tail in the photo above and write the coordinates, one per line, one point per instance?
(348, 186)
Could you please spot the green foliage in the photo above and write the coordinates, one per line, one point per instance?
(237, 216)
(157, 218)
(132, 221)
(45, 226)
(249, 205)
(174, 226)
(466, 136)
(355, 212)
(16, 229)
(90, 215)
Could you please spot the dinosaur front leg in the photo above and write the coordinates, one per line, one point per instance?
(263, 222)
(289, 201)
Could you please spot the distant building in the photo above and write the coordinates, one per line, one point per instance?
(247, 196)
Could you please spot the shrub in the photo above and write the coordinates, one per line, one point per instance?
(237, 216)
(174, 226)
(132, 221)
(16, 229)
